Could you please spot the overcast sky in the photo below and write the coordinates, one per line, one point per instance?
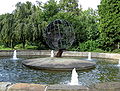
(9, 5)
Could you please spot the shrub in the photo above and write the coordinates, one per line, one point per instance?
(98, 50)
(2, 46)
(19, 46)
(90, 45)
(116, 51)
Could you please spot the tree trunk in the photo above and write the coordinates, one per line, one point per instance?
(59, 53)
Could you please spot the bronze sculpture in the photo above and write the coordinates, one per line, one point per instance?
(59, 35)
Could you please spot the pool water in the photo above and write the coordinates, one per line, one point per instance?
(13, 71)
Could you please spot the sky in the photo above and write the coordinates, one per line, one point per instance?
(7, 6)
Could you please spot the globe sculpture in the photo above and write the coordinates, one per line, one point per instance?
(59, 35)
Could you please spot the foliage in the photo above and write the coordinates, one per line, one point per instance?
(109, 12)
(116, 51)
(70, 6)
(99, 50)
(2, 47)
(89, 45)
(24, 27)
(20, 46)
(50, 9)
(7, 30)
(86, 26)
(29, 23)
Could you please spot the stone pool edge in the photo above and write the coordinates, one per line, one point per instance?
(65, 53)
(107, 86)
(7, 86)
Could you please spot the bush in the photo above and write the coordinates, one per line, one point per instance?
(41, 46)
(98, 50)
(30, 47)
(73, 48)
(90, 45)
(27, 46)
(2, 47)
(19, 46)
(116, 51)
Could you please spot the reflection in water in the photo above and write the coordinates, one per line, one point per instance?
(14, 71)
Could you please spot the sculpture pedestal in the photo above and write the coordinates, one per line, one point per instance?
(58, 64)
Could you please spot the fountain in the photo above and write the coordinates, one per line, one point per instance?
(118, 63)
(74, 77)
(59, 35)
(20, 73)
(52, 54)
(89, 56)
(14, 72)
(15, 55)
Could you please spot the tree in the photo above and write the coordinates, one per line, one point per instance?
(70, 6)
(7, 30)
(29, 23)
(37, 25)
(109, 12)
(91, 23)
(21, 15)
(50, 9)
(86, 26)
(23, 26)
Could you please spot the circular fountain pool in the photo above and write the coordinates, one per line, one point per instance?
(14, 71)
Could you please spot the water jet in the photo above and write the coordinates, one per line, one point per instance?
(52, 54)
(74, 78)
(89, 56)
(15, 55)
(118, 63)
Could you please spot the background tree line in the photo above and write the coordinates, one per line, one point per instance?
(94, 30)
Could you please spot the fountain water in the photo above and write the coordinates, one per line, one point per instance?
(118, 63)
(52, 53)
(74, 78)
(89, 56)
(15, 55)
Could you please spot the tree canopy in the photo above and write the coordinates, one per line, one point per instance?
(94, 30)
(109, 12)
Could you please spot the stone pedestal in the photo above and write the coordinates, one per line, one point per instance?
(58, 64)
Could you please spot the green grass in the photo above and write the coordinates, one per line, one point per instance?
(18, 47)
(5, 48)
